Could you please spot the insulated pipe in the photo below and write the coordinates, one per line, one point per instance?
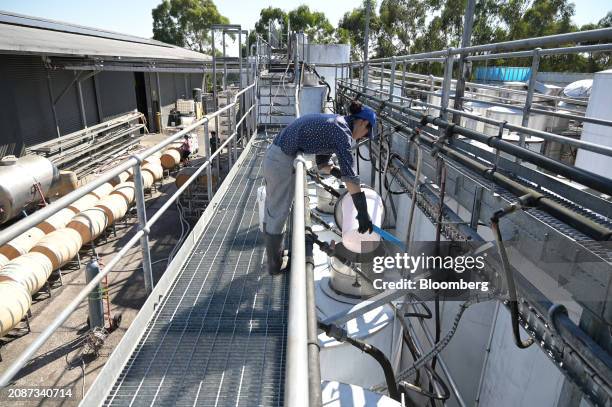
(297, 369)
(579, 175)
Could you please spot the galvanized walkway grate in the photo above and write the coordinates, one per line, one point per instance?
(218, 338)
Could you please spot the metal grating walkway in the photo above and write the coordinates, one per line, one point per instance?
(218, 337)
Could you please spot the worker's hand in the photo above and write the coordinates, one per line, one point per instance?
(363, 217)
(335, 172)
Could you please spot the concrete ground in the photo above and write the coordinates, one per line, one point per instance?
(62, 362)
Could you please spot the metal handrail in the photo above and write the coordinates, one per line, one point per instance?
(297, 367)
(36, 218)
(596, 148)
(42, 214)
(579, 36)
(485, 86)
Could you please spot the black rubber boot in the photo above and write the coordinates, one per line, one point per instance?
(274, 253)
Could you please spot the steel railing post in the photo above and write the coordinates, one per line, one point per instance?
(207, 152)
(404, 63)
(142, 222)
(392, 83)
(446, 83)
(535, 66)
(230, 145)
(94, 301)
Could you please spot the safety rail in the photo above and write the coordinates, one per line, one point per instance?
(508, 49)
(296, 371)
(596, 148)
(144, 224)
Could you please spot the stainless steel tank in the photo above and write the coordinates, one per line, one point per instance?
(478, 109)
(344, 280)
(18, 180)
(514, 116)
(326, 202)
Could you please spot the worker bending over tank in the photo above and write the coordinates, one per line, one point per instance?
(323, 135)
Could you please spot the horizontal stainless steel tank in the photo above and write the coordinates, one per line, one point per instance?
(18, 179)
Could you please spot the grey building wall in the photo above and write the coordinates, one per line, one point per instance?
(26, 114)
(175, 86)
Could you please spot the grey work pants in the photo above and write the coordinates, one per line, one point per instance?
(279, 175)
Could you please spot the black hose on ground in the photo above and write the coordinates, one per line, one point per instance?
(341, 335)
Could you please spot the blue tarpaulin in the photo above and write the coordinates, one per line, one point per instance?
(503, 74)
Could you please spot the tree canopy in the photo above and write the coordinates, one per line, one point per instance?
(397, 27)
(400, 27)
(313, 23)
(186, 23)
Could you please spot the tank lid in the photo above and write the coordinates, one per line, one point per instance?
(8, 160)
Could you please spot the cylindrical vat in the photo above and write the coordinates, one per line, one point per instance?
(126, 190)
(170, 158)
(59, 246)
(30, 270)
(122, 177)
(326, 201)
(83, 203)
(114, 206)
(154, 159)
(341, 361)
(345, 281)
(155, 169)
(478, 109)
(3, 260)
(22, 243)
(514, 116)
(335, 394)
(17, 180)
(89, 223)
(102, 190)
(532, 143)
(147, 179)
(185, 173)
(16, 302)
(66, 183)
(56, 221)
(345, 215)
(500, 113)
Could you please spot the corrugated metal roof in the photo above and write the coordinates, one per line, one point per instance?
(30, 35)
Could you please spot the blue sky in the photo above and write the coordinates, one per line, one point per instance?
(134, 16)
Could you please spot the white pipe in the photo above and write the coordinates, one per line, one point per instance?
(296, 370)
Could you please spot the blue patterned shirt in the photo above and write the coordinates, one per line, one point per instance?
(321, 134)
